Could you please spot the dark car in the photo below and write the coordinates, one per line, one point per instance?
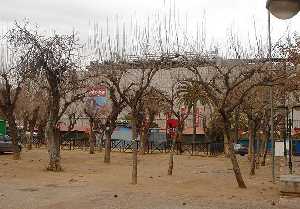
(6, 144)
(240, 149)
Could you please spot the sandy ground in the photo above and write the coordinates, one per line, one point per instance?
(86, 182)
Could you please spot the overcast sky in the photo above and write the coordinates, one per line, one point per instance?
(220, 15)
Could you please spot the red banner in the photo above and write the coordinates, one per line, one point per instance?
(197, 117)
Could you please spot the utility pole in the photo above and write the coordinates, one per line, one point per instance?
(271, 100)
(290, 146)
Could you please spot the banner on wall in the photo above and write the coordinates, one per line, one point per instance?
(97, 98)
(197, 117)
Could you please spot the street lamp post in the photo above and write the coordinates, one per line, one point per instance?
(271, 100)
(282, 9)
(272, 134)
(290, 145)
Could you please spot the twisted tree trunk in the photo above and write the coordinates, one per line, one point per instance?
(235, 165)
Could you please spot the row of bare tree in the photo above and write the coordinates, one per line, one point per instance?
(42, 78)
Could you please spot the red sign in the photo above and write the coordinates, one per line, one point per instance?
(171, 128)
(172, 123)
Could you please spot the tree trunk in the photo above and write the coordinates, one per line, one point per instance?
(235, 165)
(194, 124)
(52, 135)
(178, 138)
(171, 158)
(262, 145)
(236, 125)
(179, 133)
(263, 162)
(14, 135)
(251, 140)
(92, 142)
(134, 150)
(254, 154)
(25, 128)
(41, 132)
(29, 146)
(100, 141)
(142, 148)
(107, 146)
(144, 140)
(32, 123)
(144, 135)
(258, 151)
(92, 138)
(25, 122)
(226, 146)
(53, 147)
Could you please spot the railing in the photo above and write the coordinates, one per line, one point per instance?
(207, 149)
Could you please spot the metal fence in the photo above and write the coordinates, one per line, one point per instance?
(207, 149)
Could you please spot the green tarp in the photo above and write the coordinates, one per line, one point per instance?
(2, 127)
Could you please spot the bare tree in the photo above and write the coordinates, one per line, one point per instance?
(136, 80)
(226, 84)
(30, 107)
(14, 71)
(92, 113)
(110, 78)
(254, 107)
(174, 105)
(56, 58)
(117, 106)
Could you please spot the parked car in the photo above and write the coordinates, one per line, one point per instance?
(240, 149)
(6, 144)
